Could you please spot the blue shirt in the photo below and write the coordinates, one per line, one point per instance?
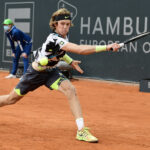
(16, 35)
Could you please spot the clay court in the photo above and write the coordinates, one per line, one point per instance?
(117, 113)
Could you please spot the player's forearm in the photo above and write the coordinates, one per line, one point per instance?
(84, 49)
(87, 49)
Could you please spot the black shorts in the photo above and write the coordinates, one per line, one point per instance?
(33, 79)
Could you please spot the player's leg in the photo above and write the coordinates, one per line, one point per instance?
(68, 89)
(83, 133)
(30, 81)
(58, 82)
(9, 99)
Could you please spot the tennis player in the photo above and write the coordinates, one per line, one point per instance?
(43, 70)
(23, 48)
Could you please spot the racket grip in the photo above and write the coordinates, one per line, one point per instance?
(121, 45)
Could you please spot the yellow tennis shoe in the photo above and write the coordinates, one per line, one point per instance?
(85, 135)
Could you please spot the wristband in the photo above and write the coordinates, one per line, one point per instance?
(100, 48)
(67, 59)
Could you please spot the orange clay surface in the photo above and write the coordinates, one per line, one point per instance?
(118, 114)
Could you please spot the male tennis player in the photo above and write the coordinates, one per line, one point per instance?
(43, 70)
(23, 48)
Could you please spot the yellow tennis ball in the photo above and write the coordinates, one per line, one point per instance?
(44, 61)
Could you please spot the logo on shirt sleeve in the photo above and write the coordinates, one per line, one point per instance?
(61, 43)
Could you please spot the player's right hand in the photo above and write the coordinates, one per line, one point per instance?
(113, 47)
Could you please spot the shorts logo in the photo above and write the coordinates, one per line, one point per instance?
(70, 7)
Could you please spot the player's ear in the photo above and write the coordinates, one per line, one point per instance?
(55, 24)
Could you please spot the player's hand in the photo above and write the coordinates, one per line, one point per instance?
(113, 47)
(24, 55)
(75, 65)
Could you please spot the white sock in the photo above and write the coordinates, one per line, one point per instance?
(80, 123)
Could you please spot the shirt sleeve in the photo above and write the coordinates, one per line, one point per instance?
(53, 44)
(61, 42)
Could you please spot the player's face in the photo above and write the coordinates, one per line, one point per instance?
(63, 27)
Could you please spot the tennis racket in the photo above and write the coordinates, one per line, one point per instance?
(133, 39)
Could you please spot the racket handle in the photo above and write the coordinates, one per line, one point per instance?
(121, 45)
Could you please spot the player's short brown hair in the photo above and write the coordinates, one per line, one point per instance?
(53, 22)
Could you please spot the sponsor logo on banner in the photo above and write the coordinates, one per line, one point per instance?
(125, 28)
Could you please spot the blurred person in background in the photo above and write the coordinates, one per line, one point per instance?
(23, 48)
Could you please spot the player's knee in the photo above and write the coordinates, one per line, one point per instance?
(71, 91)
(68, 89)
(13, 100)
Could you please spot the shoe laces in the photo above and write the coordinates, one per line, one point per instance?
(85, 132)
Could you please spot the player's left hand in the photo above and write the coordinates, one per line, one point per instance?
(24, 55)
(75, 65)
